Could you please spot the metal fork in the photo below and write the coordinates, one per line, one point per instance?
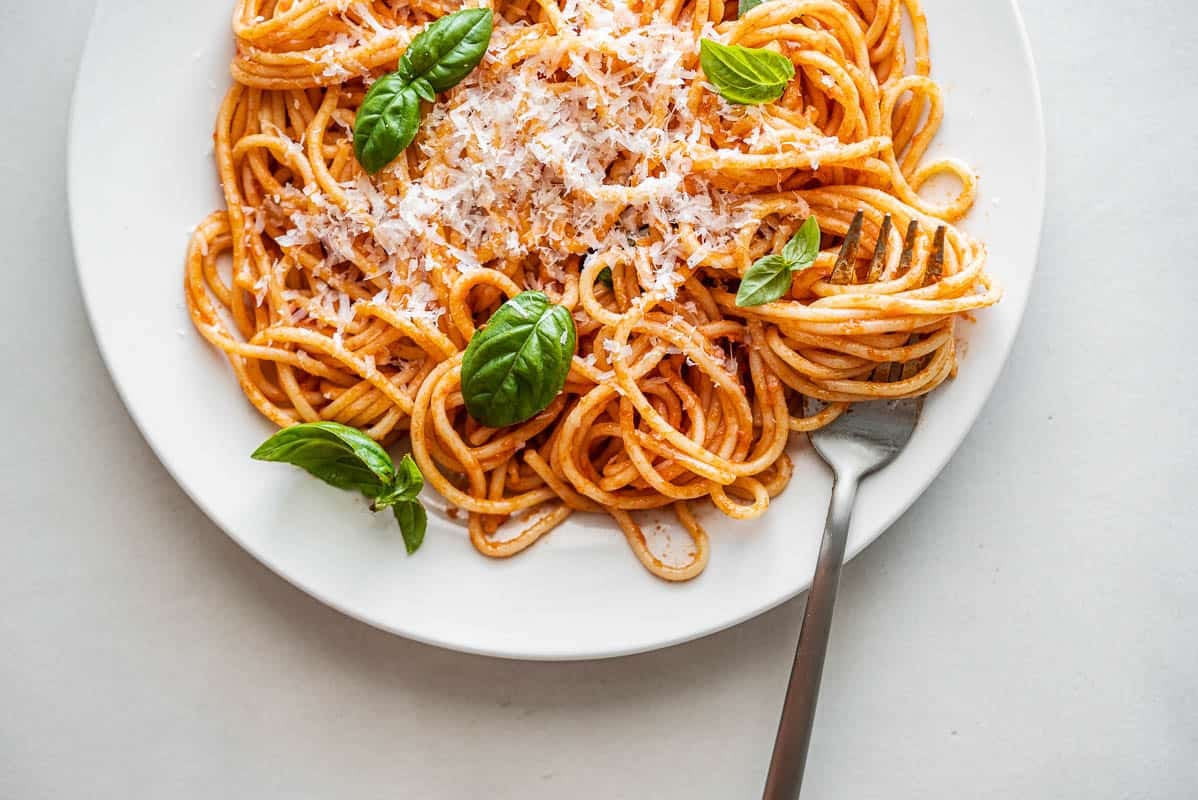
(861, 441)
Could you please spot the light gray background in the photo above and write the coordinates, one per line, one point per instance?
(1027, 630)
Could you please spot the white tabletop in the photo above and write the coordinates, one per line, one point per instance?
(1028, 630)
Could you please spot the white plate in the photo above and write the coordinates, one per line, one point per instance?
(141, 176)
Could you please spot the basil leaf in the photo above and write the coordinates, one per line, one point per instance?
(746, 75)
(514, 367)
(406, 486)
(386, 123)
(605, 278)
(745, 6)
(769, 277)
(408, 474)
(436, 60)
(423, 89)
(448, 50)
(764, 282)
(413, 521)
(337, 454)
(803, 247)
(349, 459)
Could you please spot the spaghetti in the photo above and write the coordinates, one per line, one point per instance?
(586, 144)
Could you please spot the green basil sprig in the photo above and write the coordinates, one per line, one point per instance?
(745, 6)
(437, 60)
(605, 278)
(349, 459)
(517, 364)
(770, 276)
(746, 75)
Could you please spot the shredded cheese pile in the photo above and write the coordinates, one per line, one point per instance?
(578, 147)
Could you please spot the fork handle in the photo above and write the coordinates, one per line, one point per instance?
(785, 777)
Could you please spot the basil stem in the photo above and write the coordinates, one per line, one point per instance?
(405, 488)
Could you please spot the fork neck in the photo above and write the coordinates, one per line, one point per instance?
(840, 509)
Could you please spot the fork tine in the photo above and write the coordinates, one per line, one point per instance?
(879, 260)
(900, 370)
(881, 373)
(845, 269)
(934, 273)
(846, 266)
(908, 247)
(936, 259)
(909, 368)
(893, 370)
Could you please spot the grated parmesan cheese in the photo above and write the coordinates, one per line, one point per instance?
(512, 169)
(621, 352)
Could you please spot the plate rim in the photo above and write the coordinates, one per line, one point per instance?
(549, 653)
